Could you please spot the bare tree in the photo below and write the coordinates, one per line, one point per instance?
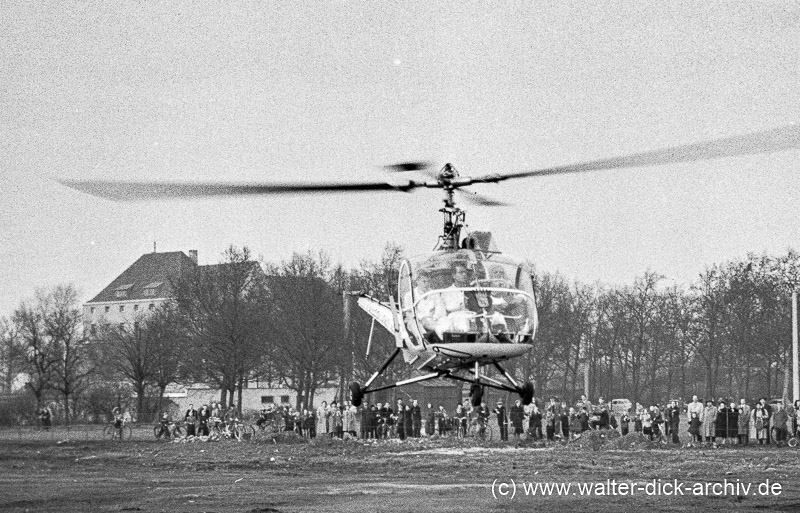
(64, 326)
(12, 353)
(223, 308)
(41, 356)
(146, 353)
(306, 320)
(126, 353)
(56, 352)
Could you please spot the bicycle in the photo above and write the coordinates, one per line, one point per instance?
(114, 432)
(268, 427)
(461, 427)
(246, 431)
(173, 430)
(383, 430)
(480, 430)
(235, 429)
(791, 438)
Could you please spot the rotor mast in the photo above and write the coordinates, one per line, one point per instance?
(453, 216)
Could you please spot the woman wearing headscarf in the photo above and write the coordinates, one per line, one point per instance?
(733, 423)
(761, 422)
(721, 425)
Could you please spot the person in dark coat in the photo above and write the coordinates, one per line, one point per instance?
(372, 422)
(564, 420)
(401, 419)
(311, 423)
(191, 420)
(674, 422)
(390, 419)
(430, 424)
(502, 422)
(535, 423)
(637, 423)
(605, 422)
(625, 423)
(769, 412)
(416, 419)
(46, 417)
(202, 420)
(780, 421)
(517, 417)
(584, 414)
(721, 424)
(409, 421)
(694, 428)
(733, 422)
(441, 420)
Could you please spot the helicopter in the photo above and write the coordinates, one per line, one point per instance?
(465, 306)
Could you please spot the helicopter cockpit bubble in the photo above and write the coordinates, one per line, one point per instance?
(467, 296)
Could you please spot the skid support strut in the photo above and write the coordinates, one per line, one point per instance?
(383, 368)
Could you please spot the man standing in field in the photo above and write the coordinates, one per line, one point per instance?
(695, 407)
(502, 423)
(191, 419)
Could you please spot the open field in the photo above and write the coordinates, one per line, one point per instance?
(44, 474)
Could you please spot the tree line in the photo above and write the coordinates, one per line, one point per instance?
(294, 324)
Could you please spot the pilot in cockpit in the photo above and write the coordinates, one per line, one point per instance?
(430, 309)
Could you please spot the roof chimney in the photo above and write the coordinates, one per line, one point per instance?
(193, 255)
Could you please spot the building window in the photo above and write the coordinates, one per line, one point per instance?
(135, 308)
(151, 289)
(122, 291)
(152, 306)
(121, 308)
(93, 329)
(108, 308)
(284, 398)
(91, 310)
(267, 399)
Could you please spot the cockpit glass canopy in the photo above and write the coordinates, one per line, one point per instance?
(468, 291)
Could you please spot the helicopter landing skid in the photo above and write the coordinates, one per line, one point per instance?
(476, 391)
(357, 393)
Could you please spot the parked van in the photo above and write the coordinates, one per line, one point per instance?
(620, 405)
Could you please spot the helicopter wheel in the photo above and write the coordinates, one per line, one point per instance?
(476, 394)
(527, 393)
(356, 394)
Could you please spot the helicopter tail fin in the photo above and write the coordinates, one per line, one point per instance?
(378, 311)
(387, 316)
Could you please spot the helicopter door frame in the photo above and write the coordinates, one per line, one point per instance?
(403, 308)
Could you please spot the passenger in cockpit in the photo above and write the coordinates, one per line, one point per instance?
(455, 300)
(430, 310)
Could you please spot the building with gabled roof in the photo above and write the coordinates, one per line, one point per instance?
(142, 287)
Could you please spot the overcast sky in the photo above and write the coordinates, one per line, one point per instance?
(287, 91)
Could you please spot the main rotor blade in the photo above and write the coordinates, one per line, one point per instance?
(777, 139)
(480, 199)
(132, 191)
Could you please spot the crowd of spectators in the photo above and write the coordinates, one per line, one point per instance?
(710, 422)
(720, 422)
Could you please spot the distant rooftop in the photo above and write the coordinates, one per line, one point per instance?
(149, 277)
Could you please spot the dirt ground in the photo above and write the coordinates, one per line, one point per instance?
(46, 474)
